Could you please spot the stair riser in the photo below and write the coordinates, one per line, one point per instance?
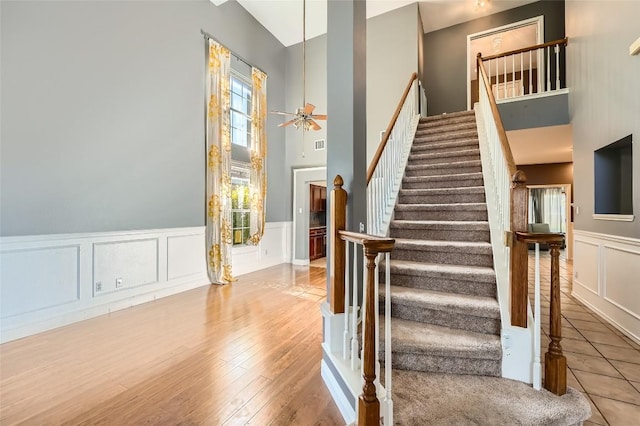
(449, 319)
(457, 286)
(441, 234)
(447, 137)
(466, 215)
(441, 184)
(435, 171)
(443, 158)
(447, 128)
(441, 199)
(458, 257)
(436, 121)
(425, 146)
(441, 364)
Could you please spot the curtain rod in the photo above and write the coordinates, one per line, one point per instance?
(240, 58)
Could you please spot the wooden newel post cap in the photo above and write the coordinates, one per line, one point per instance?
(519, 177)
(479, 55)
(338, 182)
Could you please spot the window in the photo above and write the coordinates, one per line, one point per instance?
(240, 111)
(240, 207)
(240, 119)
(613, 179)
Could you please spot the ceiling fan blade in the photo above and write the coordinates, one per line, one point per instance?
(282, 113)
(287, 123)
(308, 108)
(314, 125)
(318, 117)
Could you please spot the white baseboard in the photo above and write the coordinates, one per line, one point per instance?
(48, 281)
(347, 411)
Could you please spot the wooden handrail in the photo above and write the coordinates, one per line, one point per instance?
(511, 164)
(562, 41)
(541, 238)
(370, 242)
(383, 142)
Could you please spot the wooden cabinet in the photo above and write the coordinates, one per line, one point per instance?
(317, 243)
(317, 198)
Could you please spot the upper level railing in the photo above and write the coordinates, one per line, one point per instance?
(507, 199)
(532, 70)
(387, 166)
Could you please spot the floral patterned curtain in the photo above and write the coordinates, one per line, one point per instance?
(258, 178)
(218, 176)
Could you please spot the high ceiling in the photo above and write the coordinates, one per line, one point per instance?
(283, 18)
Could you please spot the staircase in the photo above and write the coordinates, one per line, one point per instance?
(446, 348)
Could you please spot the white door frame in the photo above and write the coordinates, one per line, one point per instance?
(539, 20)
(301, 207)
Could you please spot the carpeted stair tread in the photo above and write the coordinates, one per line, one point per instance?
(425, 145)
(477, 306)
(443, 180)
(437, 399)
(443, 191)
(439, 157)
(449, 116)
(469, 246)
(472, 273)
(439, 207)
(447, 136)
(434, 340)
(446, 165)
(448, 128)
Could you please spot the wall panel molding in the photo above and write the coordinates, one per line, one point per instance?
(50, 280)
(616, 261)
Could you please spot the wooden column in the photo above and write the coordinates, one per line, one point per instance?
(368, 404)
(337, 222)
(555, 365)
(519, 250)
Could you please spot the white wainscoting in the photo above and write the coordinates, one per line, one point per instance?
(606, 271)
(48, 281)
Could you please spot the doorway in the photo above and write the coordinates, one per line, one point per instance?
(550, 205)
(318, 223)
(498, 40)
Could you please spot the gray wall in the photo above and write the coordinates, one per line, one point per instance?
(604, 98)
(445, 52)
(103, 112)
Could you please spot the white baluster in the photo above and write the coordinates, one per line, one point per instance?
(548, 70)
(513, 75)
(504, 83)
(376, 297)
(347, 307)
(537, 366)
(354, 313)
(521, 87)
(557, 50)
(530, 74)
(387, 338)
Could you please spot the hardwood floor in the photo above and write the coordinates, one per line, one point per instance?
(246, 353)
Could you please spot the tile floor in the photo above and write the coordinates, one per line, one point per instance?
(603, 363)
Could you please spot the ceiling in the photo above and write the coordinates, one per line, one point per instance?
(283, 18)
(542, 145)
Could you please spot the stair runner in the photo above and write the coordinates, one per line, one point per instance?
(445, 315)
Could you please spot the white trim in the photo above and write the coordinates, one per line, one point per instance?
(300, 262)
(539, 20)
(608, 237)
(606, 317)
(564, 91)
(347, 411)
(614, 217)
(305, 209)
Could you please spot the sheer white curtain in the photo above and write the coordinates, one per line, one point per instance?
(218, 176)
(548, 205)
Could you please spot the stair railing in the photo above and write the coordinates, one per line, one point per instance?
(385, 172)
(529, 71)
(507, 202)
(363, 368)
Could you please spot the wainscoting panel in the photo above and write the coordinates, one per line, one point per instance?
(614, 263)
(38, 278)
(48, 281)
(585, 261)
(131, 263)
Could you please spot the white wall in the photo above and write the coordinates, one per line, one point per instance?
(605, 278)
(51, 280)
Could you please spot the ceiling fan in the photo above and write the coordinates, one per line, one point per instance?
(303, 117)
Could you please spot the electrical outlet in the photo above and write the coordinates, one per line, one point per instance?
(99, 286)
(118, 282)
(361, 227)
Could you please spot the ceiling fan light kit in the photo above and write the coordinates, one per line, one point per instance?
(304, 117)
